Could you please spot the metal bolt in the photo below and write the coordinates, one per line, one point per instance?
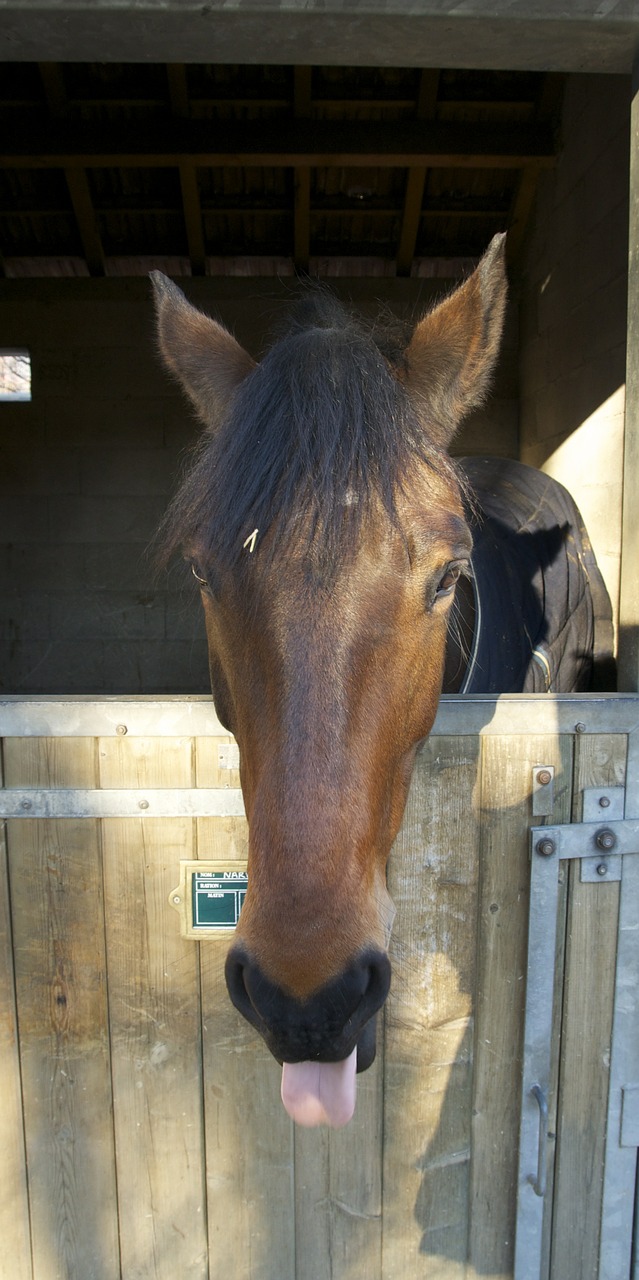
(546, 847)
(602, 869)
(177, 900)
(605, 840)
(580, 727)
(544, 777)
(25, 804)
(143, 804)
(604, 802)
(121, 729)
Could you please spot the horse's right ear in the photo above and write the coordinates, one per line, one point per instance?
(205, 358)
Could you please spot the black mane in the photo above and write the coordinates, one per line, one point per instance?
(317, 428)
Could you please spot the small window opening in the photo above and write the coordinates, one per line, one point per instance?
(15, 375)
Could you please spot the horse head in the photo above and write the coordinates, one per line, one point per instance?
(324, 522)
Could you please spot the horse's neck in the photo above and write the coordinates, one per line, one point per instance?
(461, 631)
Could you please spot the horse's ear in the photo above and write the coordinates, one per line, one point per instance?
(453, 350)
(204, 357)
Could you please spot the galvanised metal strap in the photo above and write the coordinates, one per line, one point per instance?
(79, 802)
(605, 848)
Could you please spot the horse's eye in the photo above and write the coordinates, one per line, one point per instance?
(448, 581)
(195, 570)
(207, 579)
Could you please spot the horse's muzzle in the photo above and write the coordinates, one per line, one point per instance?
(324, 1027)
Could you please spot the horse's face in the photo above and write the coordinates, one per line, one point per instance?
(328, 693)
(329, 683)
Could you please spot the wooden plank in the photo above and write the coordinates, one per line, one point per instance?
(427, 94)
(288, 143)
(411, 217)
(547, 109)
(85, 216)
(178, 88)
(192, 211)
(338, 1189)
(15, 1257)
(249, 1141)
(427, 1110)
(58, 924)
(589, 983)
(628, 655)
(219, 837)
(55, 90)
(50, 761)
(189, 186)
(302, 218)
(416, 179)
(507, 766)
(249, 1138)
(155, 1023)
(303, 92)
(521, 207)
(217, 762)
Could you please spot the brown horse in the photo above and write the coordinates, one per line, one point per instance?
(325, 524)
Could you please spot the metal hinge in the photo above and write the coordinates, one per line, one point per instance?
(600, 841)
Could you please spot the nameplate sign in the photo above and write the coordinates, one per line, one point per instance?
(209, 897)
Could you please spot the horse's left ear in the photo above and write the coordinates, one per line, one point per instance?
(205, 357)
(453, 350)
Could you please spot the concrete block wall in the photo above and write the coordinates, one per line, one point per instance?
(573, 312)
(86, 470)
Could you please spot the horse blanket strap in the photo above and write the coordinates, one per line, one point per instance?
(540, 600)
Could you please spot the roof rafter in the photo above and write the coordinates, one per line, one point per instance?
(260, 144)
(547, 108)
(303, 88)
(416, 181)
(52, 77)
(189, 188)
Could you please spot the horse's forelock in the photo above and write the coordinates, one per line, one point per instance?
(315, 431)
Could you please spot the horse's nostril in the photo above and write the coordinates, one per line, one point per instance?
(234, 972)
(378, 985)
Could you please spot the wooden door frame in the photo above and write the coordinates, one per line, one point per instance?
(628, 649)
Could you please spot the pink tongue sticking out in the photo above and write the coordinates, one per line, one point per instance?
(320, 1092)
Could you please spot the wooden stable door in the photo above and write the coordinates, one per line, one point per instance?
(141, 1128)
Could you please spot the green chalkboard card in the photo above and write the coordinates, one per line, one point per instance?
(209, 897)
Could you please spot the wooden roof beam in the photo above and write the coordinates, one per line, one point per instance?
(547, 111)
(192, 212)
(189, 187)
(55, 92)
(302, 108)
(275, 144)
(85, 216)
(178, 89)
(416, 179)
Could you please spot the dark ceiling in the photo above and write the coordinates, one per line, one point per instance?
(112, 168)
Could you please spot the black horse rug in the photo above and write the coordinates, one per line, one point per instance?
(542, 616)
